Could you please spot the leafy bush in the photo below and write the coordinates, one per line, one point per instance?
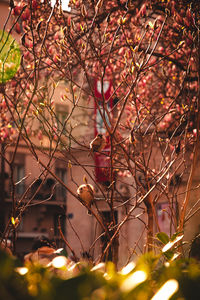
(151, 277)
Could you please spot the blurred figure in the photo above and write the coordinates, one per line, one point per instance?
(42, 251)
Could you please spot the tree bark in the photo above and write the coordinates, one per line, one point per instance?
(2, 190)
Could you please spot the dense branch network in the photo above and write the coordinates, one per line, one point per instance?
(148, 49)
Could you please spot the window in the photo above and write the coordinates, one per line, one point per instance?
(21, 225)
(48, 189)
(60, 190)
(36, 189)
(61, 115)
(19, 173)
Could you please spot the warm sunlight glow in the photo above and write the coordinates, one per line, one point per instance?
(99, 267)
(58, 250)
(171, 244)
(22, 270)
(133, 280)
(167, 264)
(107, 276)
(128, 268)
(175, 256)
(167, 290)
(65, 4)
(59, 262)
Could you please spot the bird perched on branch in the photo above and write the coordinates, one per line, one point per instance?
(86, 195)
(98, 143)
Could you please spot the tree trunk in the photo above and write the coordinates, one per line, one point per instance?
(2, 190)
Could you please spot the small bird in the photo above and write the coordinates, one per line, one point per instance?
(86, 195)
(98, 143)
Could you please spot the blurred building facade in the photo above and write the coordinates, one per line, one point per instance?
(48, 208)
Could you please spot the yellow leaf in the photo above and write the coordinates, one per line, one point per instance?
(69, 164)
(181, 43)
(124, 20)
(132, 69)
(151, 24)
(85, 179)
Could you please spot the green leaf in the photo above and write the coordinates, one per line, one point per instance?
(169, 254)
(10, 57)
(162, 237)
(170, 244)
(174, 236)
